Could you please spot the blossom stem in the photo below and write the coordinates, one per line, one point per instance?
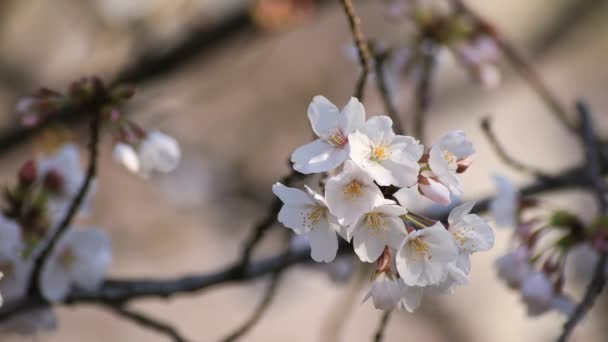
(380, 332)
(416, 219)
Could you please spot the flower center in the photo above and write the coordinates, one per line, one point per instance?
(375, 221)
(379, 153)
(313, 217)
(338, 139)
(420, 246)
(353, 189)
(449, 157)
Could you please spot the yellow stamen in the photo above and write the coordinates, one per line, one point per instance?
(353, 189)
(420, 246)
(449, 157)
(375, 221)
(379, 153)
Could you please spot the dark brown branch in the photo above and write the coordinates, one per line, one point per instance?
(379, 336)
(390, 108)
(486, 127)
(600, 188)
(75, 204)
(422, 100)
(363, 50)
(271, 291)
(124, 290)
(148, 322)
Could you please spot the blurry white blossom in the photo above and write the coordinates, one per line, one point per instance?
(80, 258)
(504, 206)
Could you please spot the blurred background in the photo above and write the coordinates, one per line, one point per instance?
(238, 109)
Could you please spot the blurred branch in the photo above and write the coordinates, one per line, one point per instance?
(521, 65)
(379, 336)
(150, 65)
(486, 128)
(363, 50)
(75, 204)
(422, 95)
(271, 290)
(120, 291)
(148, 322)
(600, 188)
(380, 59)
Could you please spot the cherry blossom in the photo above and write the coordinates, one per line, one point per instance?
(156, 152)
(390, 159)
(80, 259)
(445, 156)
(514, 266)
(306, 213)
(378, 228)
(333, 128)
(504, 206)
(425, 254)
(351, 193)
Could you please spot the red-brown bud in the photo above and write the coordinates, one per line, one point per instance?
(28, 173)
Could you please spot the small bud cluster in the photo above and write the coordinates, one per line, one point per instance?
(46, 189)
(536, 264)
(32, 210)
(377, 178)
(438, 28)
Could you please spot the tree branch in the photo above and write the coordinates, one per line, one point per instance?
(363, 50)
(389, 106)
(259, 311)
(75, 204)
(600, 188)
(148, 322)
(422, 99)
(486, 128)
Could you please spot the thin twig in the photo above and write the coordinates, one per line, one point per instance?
(387, 97)
(521, 65)
(379, 336)
(148, 322)
(486, 128)
(363, 50)
(266, 222)
(422, 99)
(600, 188)
(76, 203)
(259, 311)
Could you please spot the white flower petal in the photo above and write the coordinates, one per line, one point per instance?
(323, 116)
(318, 156)
(411, 297)
(379, 128)
(435, 191)
(93, 256)
(126, 156)
(55, 281)
(504, 206)
(323, 243)
(367, 244)
(459, 212)
(353, 116)
(158, 152)
(291, 196)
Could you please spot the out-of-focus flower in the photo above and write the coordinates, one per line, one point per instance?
(514, 266)
(351, 193)
(156, 152)
(504, 206)
(425, 254)
(81, 259)
(378, 228)
(480, 55)
(306, 213)
(333, 127)
(391, 159)
(30, 322)
(537, 293)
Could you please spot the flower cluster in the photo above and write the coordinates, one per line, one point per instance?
(543, 243)
(374, 177)
(32, 211)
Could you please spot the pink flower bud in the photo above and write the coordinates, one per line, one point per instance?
(434, 190)
(28, 173)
